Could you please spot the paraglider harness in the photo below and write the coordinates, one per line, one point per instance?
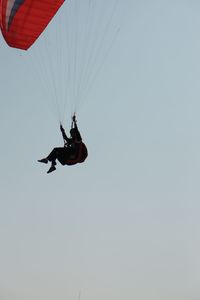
(81, 156)
(82, 152)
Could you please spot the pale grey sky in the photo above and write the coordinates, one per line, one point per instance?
(125, 224)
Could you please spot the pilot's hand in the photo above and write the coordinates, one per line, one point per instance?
(61, 128)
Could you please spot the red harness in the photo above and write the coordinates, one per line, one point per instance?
(81, 156)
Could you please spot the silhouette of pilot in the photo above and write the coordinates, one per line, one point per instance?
(73, 152)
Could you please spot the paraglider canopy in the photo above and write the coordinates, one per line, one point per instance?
(22, 21)
(70, 53)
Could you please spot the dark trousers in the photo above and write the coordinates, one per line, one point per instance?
(59, 153)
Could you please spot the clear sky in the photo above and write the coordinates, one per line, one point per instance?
(125, 224)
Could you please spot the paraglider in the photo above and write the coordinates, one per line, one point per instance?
(22, 21)
(70, 51)
(68, 60)
(74, 150)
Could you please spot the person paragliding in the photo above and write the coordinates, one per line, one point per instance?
(74, 150)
